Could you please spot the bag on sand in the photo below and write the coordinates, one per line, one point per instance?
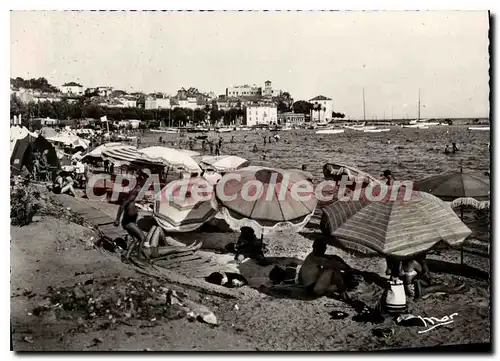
(395, 297)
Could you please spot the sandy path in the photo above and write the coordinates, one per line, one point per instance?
(49, 253)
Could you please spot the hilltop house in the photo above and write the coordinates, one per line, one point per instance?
(322, 109)
(72, 88)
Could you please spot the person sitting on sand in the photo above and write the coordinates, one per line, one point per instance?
(63, 185)
(416, 279)
(304, 167)
(322, 274)
(130, 214)
(249, 246)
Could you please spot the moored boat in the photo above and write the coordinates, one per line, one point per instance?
(478, 128)
(376, 130)
(330, 131)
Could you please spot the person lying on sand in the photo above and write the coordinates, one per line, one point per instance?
(322, 274)
(130, 214)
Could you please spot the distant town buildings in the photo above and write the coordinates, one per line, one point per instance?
(35, 96)
(243, 91)
(322, 109)
(102, 91)
(253, 91)
(261, 114)
(72, 88)
(291, 119)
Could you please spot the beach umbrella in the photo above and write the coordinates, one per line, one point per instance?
(172, 158)
(224, 163)
(127, 156)
(450, 186)
(265, 199)
(458, 188)
(193, 154)
(399, 227)
(96, 153)
(184, 205)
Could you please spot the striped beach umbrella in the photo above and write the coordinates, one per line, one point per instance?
(184, 205)
(266, 200)
(393, 227)
(126, 156)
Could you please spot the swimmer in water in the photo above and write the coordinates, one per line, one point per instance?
(388, 176)
(255, 149)
(455, 149)
(447, 149)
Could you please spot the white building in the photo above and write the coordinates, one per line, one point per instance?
(158, 103)
(261, 114)
(72, 88)
(243, 91)
(324, 113)
(128, 102)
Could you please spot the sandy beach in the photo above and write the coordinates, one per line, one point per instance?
(250, 180)
(63, 259)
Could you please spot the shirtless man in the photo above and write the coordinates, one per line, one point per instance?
(130, 214)
(321, 274)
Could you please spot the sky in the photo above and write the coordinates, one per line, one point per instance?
(390, 54)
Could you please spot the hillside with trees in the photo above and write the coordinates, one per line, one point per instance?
(40, 84)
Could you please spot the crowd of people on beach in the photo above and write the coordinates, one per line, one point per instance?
(319, 274)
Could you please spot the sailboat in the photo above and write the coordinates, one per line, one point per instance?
(420, 123)
(363, 127)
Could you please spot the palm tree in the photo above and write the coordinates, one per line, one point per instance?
(318, 107)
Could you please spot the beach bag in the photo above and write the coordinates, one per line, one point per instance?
(395, 297)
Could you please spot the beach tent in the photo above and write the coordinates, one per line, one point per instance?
(40, 145)
(22, 154)
(17, 157)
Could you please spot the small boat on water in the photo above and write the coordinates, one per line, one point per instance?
(478, 128)
(166, 130)
(416, 126)
(224, 130)
(330, 131)
(376, 130)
